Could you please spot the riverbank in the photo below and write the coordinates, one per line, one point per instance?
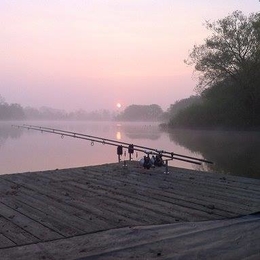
(108, 212)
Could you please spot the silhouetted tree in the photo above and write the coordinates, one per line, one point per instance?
(2, 100)
(141, 113)
(182, 104)
(11, 112)
(228, 69)
(233, 50)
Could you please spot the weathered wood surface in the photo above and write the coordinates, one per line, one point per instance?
(66, 205)
(219, 239)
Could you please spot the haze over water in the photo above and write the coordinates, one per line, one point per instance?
(22, 150)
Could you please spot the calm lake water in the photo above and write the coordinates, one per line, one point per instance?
(22, 150)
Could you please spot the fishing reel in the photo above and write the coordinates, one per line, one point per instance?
(155, 160)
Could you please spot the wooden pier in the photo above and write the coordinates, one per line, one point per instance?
(111, 212)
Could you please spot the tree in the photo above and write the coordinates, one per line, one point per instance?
(230, 58)
(141, 113)
(2, 100)
(233, 51)
(182, 104)
(11, 112)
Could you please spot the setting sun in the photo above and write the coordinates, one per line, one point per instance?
(118, 105)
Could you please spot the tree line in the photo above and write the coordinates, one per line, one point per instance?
(131, 113)
(10, 111)
(17, 112)
(141, 113)
(227, 66)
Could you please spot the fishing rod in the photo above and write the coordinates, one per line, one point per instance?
(171, 154)
(104, 141)
(120, 145)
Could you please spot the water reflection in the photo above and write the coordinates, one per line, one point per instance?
(7, 131)
(236, 153)
(118, 136)
(141, 131)
(28, 150)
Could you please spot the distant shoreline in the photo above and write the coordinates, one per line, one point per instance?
(166, 127)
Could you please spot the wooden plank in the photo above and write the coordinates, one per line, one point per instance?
(212, 184)
(14, 233)
(140, 203)
(55, 193)
(234, 180)
(66, 188)
(72, 203)
(36, 229)
(183, 174)
(155, 177)
(198, 191)
(164, 212)
(156, 196)
(49, 212)
(117, 201)
(26, 195)
(183, 198)
(5, 242)
(34, 209)
(111, 182)
(83, 220)
(151, 182)
(221, 187)
(175, 198)
(231, 238)
(57, 225)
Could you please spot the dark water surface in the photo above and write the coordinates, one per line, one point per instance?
(22, 150)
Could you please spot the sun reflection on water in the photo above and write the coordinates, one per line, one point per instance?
(118, 135)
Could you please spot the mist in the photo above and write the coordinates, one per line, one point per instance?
(94, 54)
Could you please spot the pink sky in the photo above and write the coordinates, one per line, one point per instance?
(92, 54)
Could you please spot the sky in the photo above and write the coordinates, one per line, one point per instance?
(93, 54)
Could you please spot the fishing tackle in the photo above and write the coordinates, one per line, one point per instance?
(159, 157)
